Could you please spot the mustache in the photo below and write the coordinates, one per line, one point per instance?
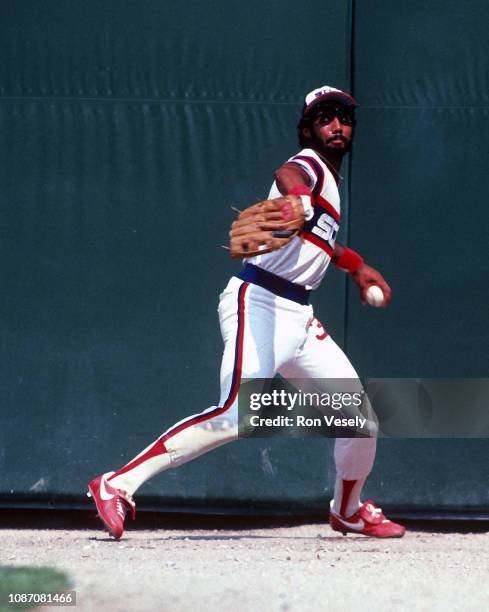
(337, 137)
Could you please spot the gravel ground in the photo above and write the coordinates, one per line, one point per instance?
(249, 568)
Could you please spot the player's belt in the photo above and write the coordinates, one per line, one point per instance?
(276, 284)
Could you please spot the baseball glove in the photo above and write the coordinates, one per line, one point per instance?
(266, 226)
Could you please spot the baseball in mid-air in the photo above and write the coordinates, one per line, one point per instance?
(375, 296)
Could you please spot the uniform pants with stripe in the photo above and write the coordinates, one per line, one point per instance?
(263, 334)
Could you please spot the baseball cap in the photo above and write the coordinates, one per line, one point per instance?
(327, 94)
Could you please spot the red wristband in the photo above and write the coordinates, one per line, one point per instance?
(299, 190)
(349, 260)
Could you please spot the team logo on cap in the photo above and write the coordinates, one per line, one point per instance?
(328, 93)
(321, 91)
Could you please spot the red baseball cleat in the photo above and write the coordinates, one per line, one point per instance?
(368, 520)
(111, 504)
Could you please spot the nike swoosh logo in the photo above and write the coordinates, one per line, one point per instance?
(104, 494)
(359, 525)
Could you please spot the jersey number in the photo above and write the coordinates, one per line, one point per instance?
(326, 228)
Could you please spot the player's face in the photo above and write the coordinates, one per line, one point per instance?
(332, 129)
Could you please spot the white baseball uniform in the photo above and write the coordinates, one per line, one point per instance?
(267, 327)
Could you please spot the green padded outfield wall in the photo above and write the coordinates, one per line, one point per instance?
(128, 129)
(420, 196)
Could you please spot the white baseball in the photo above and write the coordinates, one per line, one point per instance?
(375, 296)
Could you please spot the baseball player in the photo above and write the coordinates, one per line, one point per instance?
(268, 326)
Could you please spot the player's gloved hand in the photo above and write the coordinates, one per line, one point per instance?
(365, 277)
(266, 226)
